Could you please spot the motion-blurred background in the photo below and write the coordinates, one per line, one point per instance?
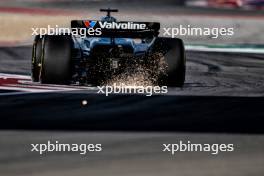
(245, 16)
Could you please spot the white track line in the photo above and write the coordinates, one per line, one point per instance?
(6, 75)
(25, 86)
(224, 50)
(16, 93)
(27, 89)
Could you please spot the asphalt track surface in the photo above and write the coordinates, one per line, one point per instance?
(222, 102)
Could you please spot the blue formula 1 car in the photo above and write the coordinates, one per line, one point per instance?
(97, 51)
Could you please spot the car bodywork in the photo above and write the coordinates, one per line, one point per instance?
(120, 48)
(107, 49)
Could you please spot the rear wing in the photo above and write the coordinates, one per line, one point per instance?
(121, 29)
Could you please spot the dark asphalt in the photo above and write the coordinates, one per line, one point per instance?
(63, 111)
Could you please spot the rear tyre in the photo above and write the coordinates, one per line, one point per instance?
(36, 58)
(172, 49)
(56, 60)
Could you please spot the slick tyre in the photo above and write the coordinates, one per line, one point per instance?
(36, 58)
(173, 52)
(56, 60)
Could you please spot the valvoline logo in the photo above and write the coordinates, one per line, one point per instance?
(89, 24)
